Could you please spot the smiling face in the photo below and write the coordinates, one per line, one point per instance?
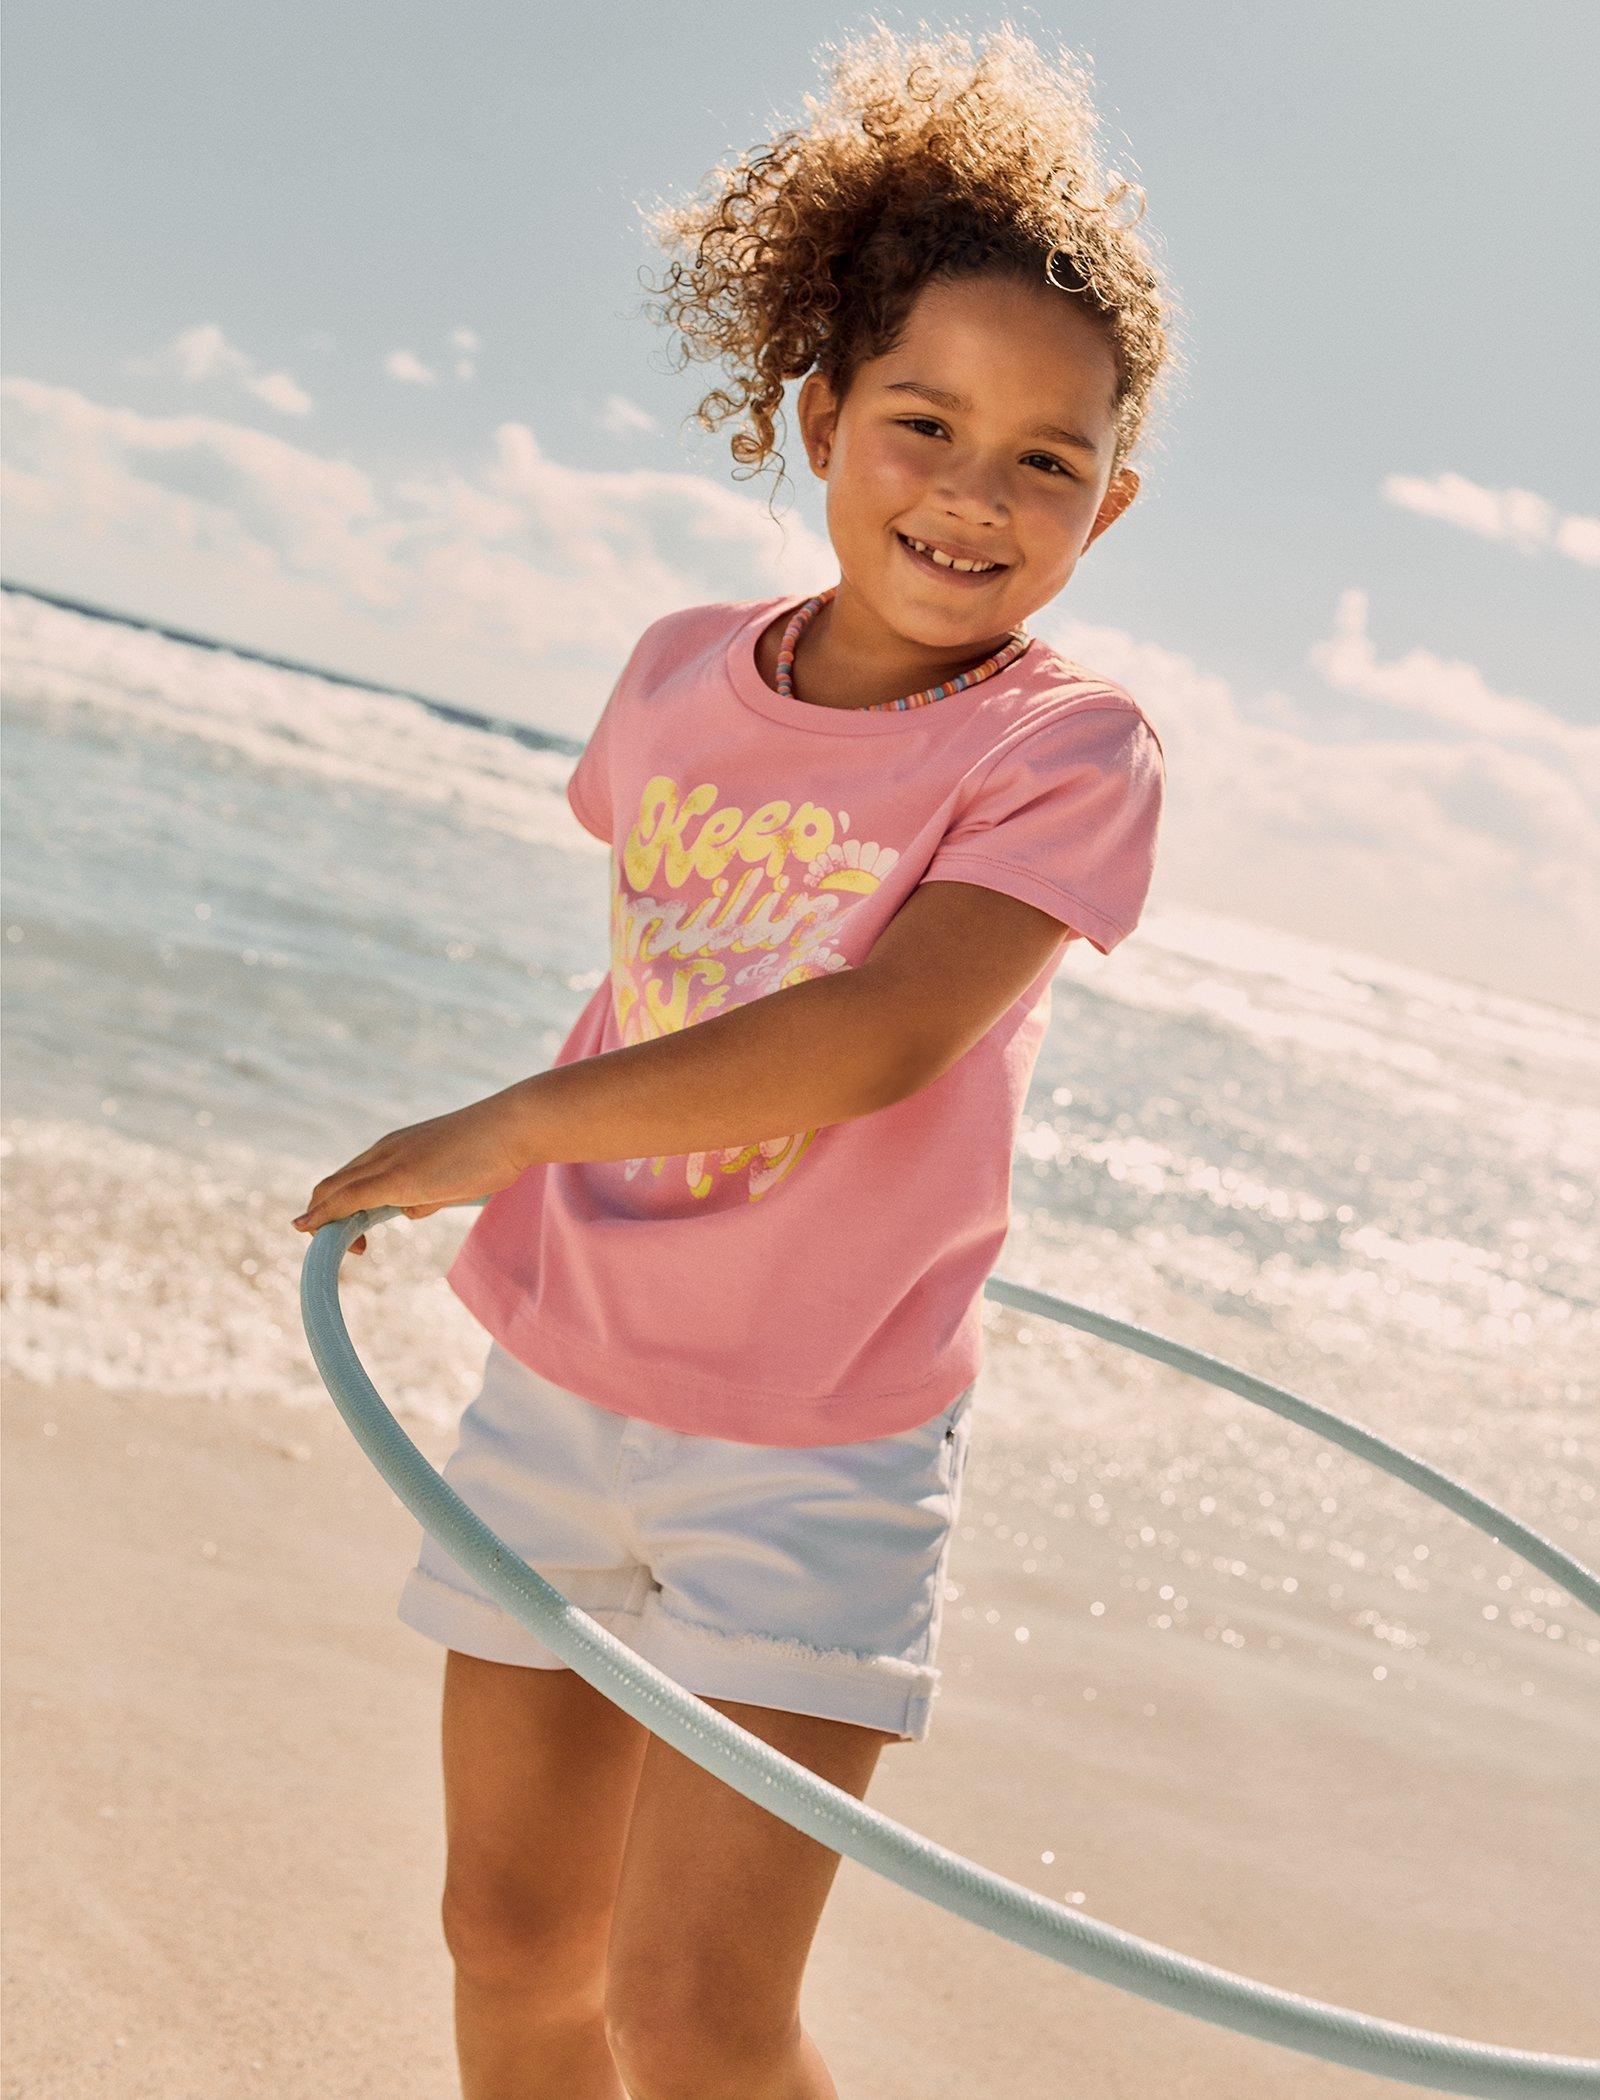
(1010, 464)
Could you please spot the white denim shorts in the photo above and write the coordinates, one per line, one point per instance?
(809, 1578)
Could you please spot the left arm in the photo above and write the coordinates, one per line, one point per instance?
(944, 969)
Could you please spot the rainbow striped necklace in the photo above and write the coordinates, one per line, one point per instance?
(802, 619)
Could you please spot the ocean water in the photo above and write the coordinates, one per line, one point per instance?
(253, 919)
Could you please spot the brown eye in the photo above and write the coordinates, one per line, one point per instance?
(1057, 467)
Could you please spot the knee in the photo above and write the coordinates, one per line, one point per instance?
(696, 2041)
(510, 1939)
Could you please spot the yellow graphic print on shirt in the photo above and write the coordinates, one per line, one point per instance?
(707, 915)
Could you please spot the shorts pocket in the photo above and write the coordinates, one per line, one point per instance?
(954, 1445)
(957, 1435)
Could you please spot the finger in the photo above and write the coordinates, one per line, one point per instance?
(354, 1196)
(324, 1194)
(331, 1184)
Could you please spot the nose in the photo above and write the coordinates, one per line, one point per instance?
(973, 497)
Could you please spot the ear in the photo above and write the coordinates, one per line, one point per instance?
(817, 408)
(1120, 492)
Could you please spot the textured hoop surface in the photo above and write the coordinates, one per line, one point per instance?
(1412, 2055)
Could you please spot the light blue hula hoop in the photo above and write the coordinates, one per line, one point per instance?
(1439, 2062)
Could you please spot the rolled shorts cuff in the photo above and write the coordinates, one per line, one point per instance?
(885, 1692)
(874, 1691)
(475, 1624)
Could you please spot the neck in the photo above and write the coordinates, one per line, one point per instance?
(847, 657)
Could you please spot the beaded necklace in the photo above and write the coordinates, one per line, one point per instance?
(808, 612)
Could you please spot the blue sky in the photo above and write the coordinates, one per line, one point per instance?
(325, 335)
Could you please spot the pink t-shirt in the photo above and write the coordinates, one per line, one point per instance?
(824, 1287)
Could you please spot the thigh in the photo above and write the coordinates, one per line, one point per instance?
(720, 1899)
(540, 1772)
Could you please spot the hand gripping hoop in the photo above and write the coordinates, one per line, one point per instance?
(1438, 2062)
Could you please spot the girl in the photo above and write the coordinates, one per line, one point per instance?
(738, 1233)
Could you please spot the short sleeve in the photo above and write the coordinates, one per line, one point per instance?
(1067, 819)
(589, 783)
(589, 791)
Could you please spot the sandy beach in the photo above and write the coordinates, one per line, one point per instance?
(224, 1848)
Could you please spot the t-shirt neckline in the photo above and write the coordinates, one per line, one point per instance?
(754, 691)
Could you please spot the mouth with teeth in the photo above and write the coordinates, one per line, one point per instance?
(955, 568)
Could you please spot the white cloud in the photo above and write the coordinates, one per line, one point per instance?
(467, 584)
(198, 353)
(1516, 516)
(619, 416)
(464, 339)
(400, 364)
(1463, 835)
(1579, 539)
(1452, 694)
(1468, 842)
(465, 368)
(203, 353)
(279, 391)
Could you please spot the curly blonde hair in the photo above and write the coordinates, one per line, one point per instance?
(921, 161)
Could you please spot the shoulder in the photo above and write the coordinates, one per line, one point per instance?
(1067, 697)
(1064, 718)
(690, 627)
(690, 636)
